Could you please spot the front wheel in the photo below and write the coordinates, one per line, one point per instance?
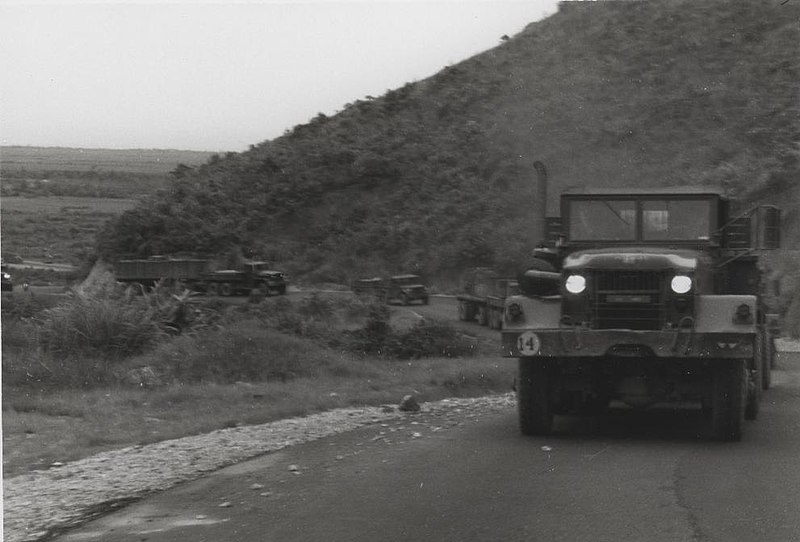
(769, 358)
(483, 316)
(755, 383)
(533, 398)
(466, 312)
(728, 399)
(226, 289)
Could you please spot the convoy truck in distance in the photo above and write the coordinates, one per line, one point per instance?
(645, 297)
(198, 274)
(402, 289)
(483, 295)
(7, 281)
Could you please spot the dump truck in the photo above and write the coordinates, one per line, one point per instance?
(644, 297)
(199, 275)
(402, 289)
(482, 297)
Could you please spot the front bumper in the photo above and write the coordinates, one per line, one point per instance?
(580, 342)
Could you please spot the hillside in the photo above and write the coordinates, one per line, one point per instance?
(437, 175)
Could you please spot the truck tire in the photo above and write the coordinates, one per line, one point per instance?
(466, 312)
(755, 380)
(729, 391)
(769, 358)
(533, 398)
(483, 315)
(212, 288)
(496, 319)
(226, 289)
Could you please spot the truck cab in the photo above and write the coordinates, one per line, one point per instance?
(644, 297)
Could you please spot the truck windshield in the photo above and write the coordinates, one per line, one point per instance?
(661, 220)
(602, 220)
(676, 219)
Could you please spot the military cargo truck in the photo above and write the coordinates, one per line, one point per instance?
(7, 281)
(482, 297)
(402, 289)
(199, 275)
(645, 297)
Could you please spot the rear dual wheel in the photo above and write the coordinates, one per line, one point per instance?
(466, 312)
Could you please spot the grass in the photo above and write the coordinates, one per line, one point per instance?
(43, 425)
(59, 228)
(66, 396)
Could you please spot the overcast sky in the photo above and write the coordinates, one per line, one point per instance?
(221, 76)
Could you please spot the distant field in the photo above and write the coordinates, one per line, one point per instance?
(54, 200)
(144, 161)
(61, 229)
(65, 204)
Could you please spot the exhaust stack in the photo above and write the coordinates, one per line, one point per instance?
(541, 201)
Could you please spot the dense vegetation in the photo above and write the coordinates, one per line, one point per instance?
(437, 175)
(104, 333)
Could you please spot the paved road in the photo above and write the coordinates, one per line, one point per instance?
(627, 477)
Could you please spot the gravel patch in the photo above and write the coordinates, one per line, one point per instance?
(40, 503)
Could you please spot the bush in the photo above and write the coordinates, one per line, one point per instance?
(430, 339)
(427, 338)
(244, 352)
(104, 319)
(91, 326)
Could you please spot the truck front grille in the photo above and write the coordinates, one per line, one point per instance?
(628, 300)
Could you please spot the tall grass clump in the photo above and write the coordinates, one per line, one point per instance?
(114, 327)
(247, 351)
(105, 318)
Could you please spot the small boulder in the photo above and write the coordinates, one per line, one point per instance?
(408, 404)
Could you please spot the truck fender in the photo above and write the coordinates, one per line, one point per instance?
(717, 314)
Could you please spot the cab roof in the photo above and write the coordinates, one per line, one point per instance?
(654, 191)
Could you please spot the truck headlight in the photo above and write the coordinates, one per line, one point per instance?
(681, 284)
(575, 284)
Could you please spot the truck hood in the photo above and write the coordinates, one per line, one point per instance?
(635, 258)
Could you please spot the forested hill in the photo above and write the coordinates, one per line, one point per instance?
(437, 175)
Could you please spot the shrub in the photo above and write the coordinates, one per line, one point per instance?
(104, 319)
(427, 338)
(316, 306)
(430, 338)
(246, 352)
(92, 326)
